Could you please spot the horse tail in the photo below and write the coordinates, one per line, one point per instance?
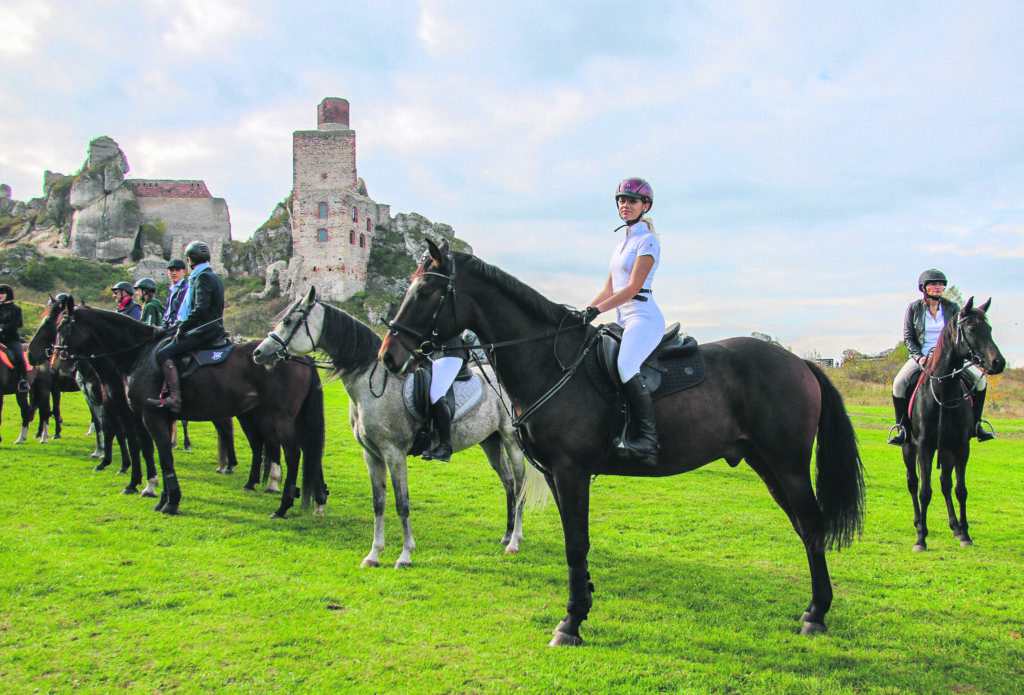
(840, 481)
(311, 426)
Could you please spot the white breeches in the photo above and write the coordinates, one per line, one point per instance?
(909, 371)
(643, 327)
(442, 375)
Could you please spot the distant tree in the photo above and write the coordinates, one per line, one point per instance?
(954, 294)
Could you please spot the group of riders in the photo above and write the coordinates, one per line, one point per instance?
(195, 309)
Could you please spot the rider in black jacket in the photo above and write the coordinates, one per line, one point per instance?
(10, 322)
(203, 324)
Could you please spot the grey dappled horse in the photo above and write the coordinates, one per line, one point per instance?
(382, 424)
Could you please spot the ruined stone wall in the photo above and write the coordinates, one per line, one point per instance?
(168, 188)
(187, 219)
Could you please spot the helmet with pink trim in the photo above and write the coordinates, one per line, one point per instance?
(637, 188)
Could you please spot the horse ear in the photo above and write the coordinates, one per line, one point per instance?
(984, 307)
(439, 254)
(970, 305)
(310, 296)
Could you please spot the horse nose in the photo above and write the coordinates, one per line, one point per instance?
(389, 362)
(998, 365)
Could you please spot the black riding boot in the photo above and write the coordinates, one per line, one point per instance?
(173, 400)
(900, 406)
(19, 366)
(443, 420)
(644, 445)
(980, 432)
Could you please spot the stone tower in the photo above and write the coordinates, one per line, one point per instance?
(333, 220)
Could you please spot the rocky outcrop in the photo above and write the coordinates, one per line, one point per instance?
(107, 217)
(269, 245)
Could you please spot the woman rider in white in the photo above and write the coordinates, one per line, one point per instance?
(628, 291)
(443, 371)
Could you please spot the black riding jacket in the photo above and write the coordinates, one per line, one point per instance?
(913, 324)
(10, 322)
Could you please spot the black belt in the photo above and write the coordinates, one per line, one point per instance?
(640, 297)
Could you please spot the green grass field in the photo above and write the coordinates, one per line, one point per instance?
(699, 581)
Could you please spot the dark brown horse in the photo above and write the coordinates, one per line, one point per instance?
(9, 387)
(758, 403)
(942, 419)
(288, 399)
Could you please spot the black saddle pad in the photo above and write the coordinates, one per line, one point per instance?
(679, 369)
(214, 353)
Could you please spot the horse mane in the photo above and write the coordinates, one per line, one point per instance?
(135, 330)
(940, 345)
(351, 344)
(525, 296)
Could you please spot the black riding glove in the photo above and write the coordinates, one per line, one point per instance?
(589, 314)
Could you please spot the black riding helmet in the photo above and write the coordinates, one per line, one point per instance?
(124, 287)
(146, 284)
(8, 291)
(931, 275)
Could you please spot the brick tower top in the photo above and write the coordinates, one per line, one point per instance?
(332, 114)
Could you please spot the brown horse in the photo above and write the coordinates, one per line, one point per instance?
(942, 420)
(758, 403)
(288, 399)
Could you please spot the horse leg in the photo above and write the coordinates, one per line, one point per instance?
(187, 448)
(58, 419)
(400, 485)
(513, 508)
(958, 465)
(379, 491)
(797, 499)
(26, 417)
(573, 485)
(159, 428)
(925, 454)
(226, 460)
(292, 455)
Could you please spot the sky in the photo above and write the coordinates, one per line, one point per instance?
(809, 158)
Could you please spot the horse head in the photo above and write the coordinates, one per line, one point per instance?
(974, 341)
(40, 348)
(296, 333)
(427, 315)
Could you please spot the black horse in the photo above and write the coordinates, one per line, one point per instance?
(287, 399)
(942, 419)
(758, 403)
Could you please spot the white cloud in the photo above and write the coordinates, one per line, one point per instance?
(22, 21)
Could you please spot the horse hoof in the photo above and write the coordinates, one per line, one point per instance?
(148, 493)
(159, 507)
(251, 488)
(403, 565)
(228, 471)
(101, 466)
(187, 450)
(967, 543)
(511, 551)
(170, 510)
(564, 639)
(129, 490)
(123, 471)
(919, 548)
(319, 511)
(277, 515)
(813, 629)
(218, 471)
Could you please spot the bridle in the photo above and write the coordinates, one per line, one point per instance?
(960, 344)
(428, 346)
(301, 322)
